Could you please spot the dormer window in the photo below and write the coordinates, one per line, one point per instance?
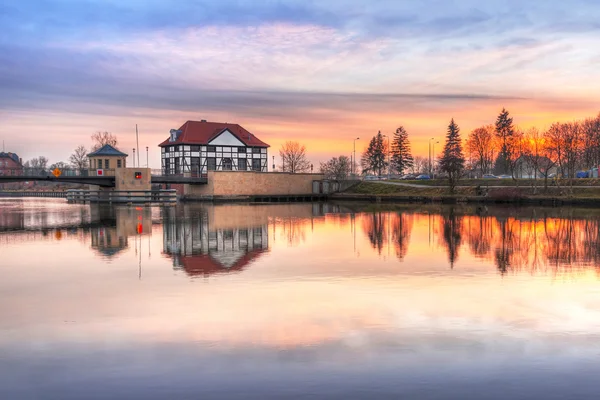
(174, 135)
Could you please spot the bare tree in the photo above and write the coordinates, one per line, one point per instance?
(38, 165)
(481, 145)
(337, 168)
(420, 165)
(100, 139)
(79, 159)
(293, 157)
(564, 142)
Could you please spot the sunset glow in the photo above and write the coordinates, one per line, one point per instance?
(321, 73)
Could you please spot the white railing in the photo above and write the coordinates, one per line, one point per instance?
(121, 196)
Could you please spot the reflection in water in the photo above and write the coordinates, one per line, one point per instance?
(318, 294)
(200, 248)
(452, 235)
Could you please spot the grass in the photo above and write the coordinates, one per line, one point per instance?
(503, 182)
(377, 188)
(508, 193)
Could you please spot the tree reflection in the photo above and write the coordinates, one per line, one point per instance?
(374, 226)
(452, 235)
(402, 225)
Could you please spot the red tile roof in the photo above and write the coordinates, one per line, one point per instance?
(202, 132)
(203, 264)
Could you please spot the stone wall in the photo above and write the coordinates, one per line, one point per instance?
(243, 183)
(125, 179)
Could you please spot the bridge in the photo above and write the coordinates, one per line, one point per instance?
(90, 177)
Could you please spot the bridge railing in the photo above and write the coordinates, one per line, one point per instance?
(48, 172)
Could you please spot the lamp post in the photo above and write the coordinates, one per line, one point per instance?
(147, 163)
(311, 168)
(354, 161)
(433, 154)
(430, 155)
(273, 163)
(388, 151)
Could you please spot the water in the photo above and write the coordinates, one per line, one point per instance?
(298, 301)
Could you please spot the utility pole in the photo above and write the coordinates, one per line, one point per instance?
(430, 155)
(354, 161)
(433, 153)
(137, 144)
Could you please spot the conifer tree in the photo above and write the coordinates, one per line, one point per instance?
(374, 158)
(505, 133)
(453, 161)
(401, 157)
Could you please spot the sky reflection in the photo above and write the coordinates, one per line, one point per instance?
(290, 298)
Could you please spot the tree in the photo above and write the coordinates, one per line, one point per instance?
(62, 166)
(420, 165)
(100, 139)
(37, 164)
(452, 161)
(79, 159)
(401, 157)
(591, 142)
(337, 168)
(293, 157)
(504, 133)
(373, 159)
(481, 145)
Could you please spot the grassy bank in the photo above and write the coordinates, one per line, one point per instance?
(375, 191)
(591, 182)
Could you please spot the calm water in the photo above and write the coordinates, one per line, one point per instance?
(298, 301)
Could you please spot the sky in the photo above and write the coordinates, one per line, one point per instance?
(319, 72)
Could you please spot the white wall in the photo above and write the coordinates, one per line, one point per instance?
(226, 139)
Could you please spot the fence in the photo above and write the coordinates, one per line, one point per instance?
(56, 195)
(121, 196)
(46, 172)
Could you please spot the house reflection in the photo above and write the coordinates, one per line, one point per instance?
(113, 226)
(201, 247)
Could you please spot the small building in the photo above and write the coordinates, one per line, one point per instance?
(105, 160)
(10, 164)
(201, 146)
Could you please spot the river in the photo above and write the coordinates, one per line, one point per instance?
(298, 301)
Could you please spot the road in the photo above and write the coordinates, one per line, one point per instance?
(416, 185)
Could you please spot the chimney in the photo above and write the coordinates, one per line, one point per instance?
(202, 120)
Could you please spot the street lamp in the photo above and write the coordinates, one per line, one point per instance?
(147, 164)
(388, 151)
(433, 153)
(354, 161)
(273, 163)
(430, 155)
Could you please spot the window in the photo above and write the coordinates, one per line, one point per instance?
(227, 165)
(107, 163)
(256, 150)
(242, 164)
(166, 149)
(177, 168)
(211, 149)
(167, 165)
(119, 163)
(211, 163)
(256, 165)
(241, 149)
(195, 165)
(195, 148)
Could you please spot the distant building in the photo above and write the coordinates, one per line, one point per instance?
(10, 164)
(105, 160)
(200, 146)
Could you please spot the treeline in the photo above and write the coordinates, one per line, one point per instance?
(500, 148)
